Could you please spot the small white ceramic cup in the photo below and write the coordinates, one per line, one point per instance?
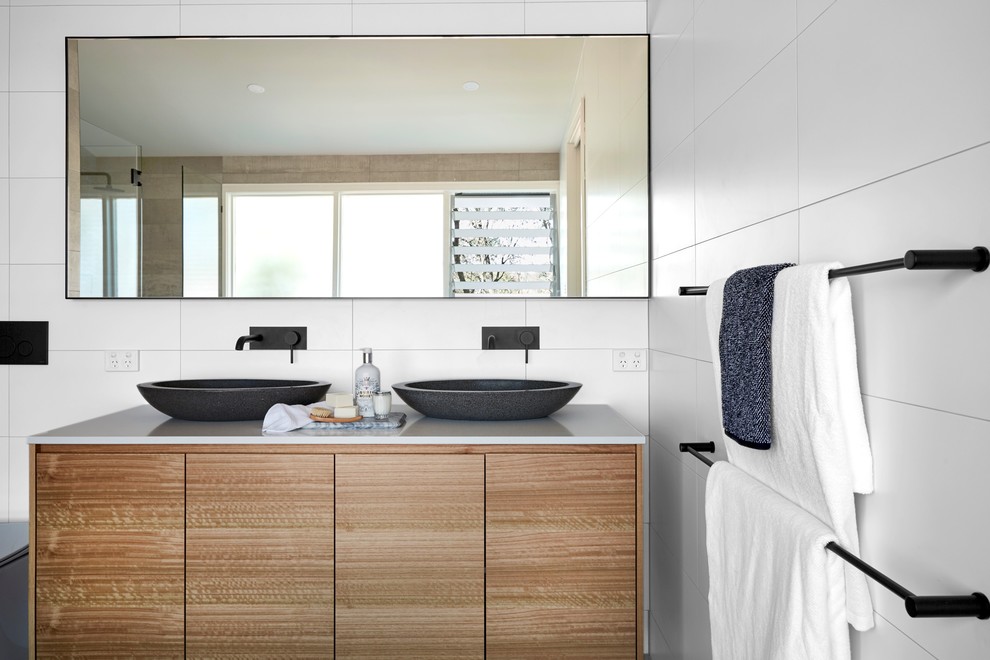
(383, 404)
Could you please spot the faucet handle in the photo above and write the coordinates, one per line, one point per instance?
(292, 338)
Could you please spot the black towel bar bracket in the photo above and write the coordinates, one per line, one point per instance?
(975, 605)
(976, 259)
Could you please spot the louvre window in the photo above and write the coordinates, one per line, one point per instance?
(504, 244)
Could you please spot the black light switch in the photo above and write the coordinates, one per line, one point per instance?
(23, 342)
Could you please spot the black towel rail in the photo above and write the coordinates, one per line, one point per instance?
(976, 259)
(975, 605)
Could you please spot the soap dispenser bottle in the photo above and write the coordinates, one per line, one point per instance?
(367, 381)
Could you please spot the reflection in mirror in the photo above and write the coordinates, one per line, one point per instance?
(358, 167)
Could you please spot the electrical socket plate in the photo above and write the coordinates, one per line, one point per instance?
(629, 359)
(121, 360)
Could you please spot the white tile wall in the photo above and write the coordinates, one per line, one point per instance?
(38, 209)
(4, 401)
(37, 293)
(431, 324)
(4, 293)
(5, 469)
(672, 110)
(411, 338)
(266, 19)
(916, 524)
(590, 17)
(74, 386)
(667, 20)
(746, 152)
(939, 205)
(426, 18)
(18, 504)
(216, 324)
(4, 134)
(5, 209)
(673, 318)
(332, 366)
(37, 134)
(589, 324)
(871, 109)
(673, 201)
(859, 129)
(734, 40)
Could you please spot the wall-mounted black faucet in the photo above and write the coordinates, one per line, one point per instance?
(510, 338)
(239, 346)
(274, 338)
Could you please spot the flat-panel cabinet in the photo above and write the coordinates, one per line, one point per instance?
(259, 556)
(108, 556)
(410, 557)
(560, 556)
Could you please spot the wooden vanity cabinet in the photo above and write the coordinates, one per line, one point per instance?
(323, 551)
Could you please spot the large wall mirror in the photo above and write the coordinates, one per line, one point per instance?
(357, 167)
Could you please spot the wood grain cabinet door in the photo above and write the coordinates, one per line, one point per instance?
(109, 556)
(561, 556)
(259, 556)
(410, 556)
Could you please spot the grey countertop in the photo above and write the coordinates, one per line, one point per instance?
(573, 424)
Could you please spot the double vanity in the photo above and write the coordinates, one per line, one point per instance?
(164, 538)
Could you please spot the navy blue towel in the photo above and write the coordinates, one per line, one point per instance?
(744, 353)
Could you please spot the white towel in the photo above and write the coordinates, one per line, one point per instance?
(775, 592)
(821, 452)
(283, 417)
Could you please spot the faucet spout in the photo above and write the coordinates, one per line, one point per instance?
(491, 342)
(239, 346)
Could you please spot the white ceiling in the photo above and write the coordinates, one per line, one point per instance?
(331, 95)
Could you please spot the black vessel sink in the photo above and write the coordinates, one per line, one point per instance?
(228, 399)
(489, 400)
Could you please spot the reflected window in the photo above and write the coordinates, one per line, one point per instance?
(368, 241)
(395, 245)
(281, 245)
(504, 244)
(109, 244)
(201, 247)
(90, 248)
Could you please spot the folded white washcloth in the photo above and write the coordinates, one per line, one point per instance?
(775, 592)
(283, 417)
(821, 453)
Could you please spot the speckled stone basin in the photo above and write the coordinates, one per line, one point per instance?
(487, 400)
(228, 399)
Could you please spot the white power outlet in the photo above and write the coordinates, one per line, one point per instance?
(629, 359)
(121, 360)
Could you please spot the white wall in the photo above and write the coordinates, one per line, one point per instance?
(818, 130)
(182, 339)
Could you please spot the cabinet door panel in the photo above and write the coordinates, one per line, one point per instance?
(259, 556)
(410, 556)
(109, 555)
(561, 556)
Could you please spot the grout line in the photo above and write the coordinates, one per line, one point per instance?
(891, 176)
(907, 636)
(931, 408)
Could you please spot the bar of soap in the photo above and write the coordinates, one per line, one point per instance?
(335, 399)
(343, 412)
